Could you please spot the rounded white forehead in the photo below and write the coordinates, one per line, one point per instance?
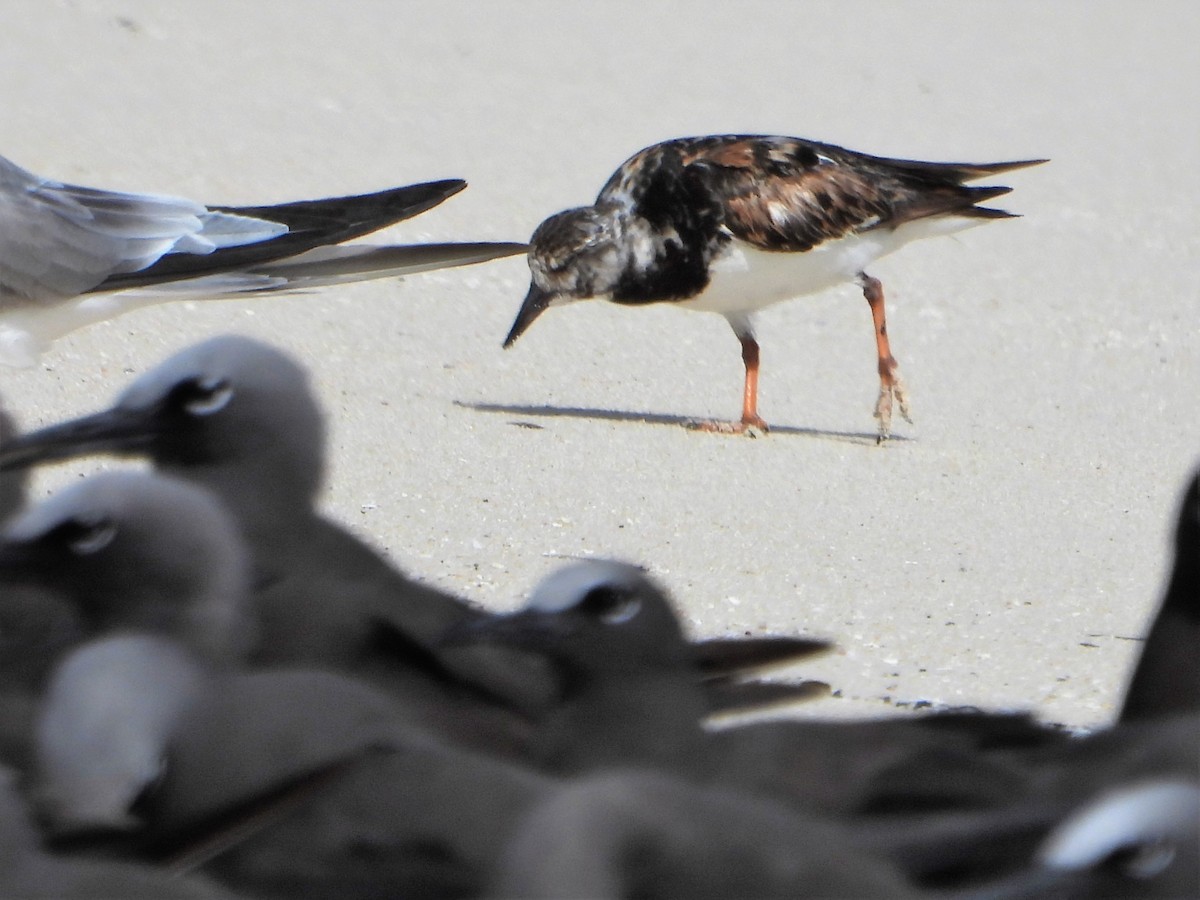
(564, 589)
(1166, 808)
(227, 356)
(125, 494)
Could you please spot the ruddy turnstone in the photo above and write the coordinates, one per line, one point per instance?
(71, 255)
(734, 223)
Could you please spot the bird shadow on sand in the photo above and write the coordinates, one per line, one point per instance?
(861, 438)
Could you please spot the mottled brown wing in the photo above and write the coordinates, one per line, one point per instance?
(784, 194)
(781, 193)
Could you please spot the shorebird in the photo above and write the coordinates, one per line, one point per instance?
(732, 224)
(71, 256)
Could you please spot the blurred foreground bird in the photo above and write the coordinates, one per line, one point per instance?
(71, 255)
(28, 871)
(630, 698)
(281, 782)
(732, 224)
(1167, 677)
(152, 730)
(152, 742)
(239, 419)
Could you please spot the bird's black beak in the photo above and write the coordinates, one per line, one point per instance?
(115, 430)
(731, 657)
(535, 304)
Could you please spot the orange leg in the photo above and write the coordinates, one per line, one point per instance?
(750, 417)
(891, 385)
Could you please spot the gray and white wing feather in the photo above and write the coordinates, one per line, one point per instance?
(59, 240)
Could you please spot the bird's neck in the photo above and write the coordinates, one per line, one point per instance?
(639, 720)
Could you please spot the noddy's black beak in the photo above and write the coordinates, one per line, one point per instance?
(728, 657)
(535, 304)
(112, 431)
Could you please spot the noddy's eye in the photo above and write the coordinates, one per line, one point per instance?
(1143, 861)
(610, 605)
(205, 396)
(85, 537)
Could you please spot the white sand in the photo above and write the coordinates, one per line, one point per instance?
(1005, 553)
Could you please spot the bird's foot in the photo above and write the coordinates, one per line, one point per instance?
(895, 393)
(751, 426)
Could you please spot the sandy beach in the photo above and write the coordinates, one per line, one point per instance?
(1005, 550)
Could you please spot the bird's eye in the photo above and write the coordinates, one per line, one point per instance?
(85, 537)
(1143, 861)
(610, 605)
(205, 396)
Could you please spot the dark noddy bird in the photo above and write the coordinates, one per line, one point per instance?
(1140, 839)
(650, 835)
(630, 698)
(629, 689)
(281, 782)
(36, 627)
(13, 485)
(623, 662)
(138, 550)
(151, 730)
(71, 255)
(238, 418)
(29, 872)
(34, 623)
(1167, 677)
(121, 549)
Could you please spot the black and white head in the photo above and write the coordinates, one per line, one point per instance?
(577, 254)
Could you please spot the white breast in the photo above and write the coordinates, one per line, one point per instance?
(746, 279)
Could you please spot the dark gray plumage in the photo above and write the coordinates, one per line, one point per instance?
(629, 692)
(28, 871)
(238, 418)
(36, 626)
(630, 697)
(281, 782)
(1167, 677)
(118, 550)
(650, 835)
(135, 550)
(1136, 839)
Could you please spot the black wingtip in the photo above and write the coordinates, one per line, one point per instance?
(310, 224)
(971, 171)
